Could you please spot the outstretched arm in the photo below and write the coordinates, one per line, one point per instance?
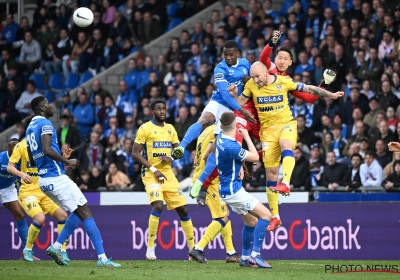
(222, 85)
(322, 92)
(233, 90)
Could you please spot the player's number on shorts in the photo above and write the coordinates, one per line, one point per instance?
(30, 138)
(48, 188)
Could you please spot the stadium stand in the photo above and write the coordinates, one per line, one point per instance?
(342, 145)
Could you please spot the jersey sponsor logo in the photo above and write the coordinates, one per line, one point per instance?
(265, 109)
(42, 171)
(218, 76)
(47, 128)
(38, 156)
(154, 186)
(162, 144)
(270, 99)
(264, 145)
(6, 175)
(241, 121)
(159, 155)
(32, 174)
(231, 72)
(3, 167)
(31, 198)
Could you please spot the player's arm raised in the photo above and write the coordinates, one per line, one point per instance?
(49, 152)
(322, 92)
(252, 154)
(242, 99)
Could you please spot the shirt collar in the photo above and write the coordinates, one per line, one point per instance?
(38, 117)
(227, 137)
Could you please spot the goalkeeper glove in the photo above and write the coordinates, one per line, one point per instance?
(329, 76)
(194, 192)
(201, 198)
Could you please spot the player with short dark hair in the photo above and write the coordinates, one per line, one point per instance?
(255, 215)
(44, 152)
(152, 149)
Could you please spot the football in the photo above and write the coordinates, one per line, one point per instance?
(83, 17)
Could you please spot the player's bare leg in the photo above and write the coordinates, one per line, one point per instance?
(288, 163)
(273, 197)
(206, 119)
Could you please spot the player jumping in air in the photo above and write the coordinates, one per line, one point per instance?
(35, 203)
(8, 193)
(278, 132)
(218, 208)
(43, 150)
(152, 149)
(255, 215)
(229, 71)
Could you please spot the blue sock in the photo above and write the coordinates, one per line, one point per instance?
(259, 234)
(247, 239)
(192, 133)
(22, 227)
(94, 235)
(272, 183)
(70, 225)
(209, 168)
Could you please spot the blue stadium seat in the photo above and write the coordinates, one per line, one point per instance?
(49, 96)
(39, 80)
(171, 9)
(174, 23)
(55, 81)
(71, 81)
(133, 49)
(85, 77)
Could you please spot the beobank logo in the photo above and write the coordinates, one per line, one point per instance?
(297, 235)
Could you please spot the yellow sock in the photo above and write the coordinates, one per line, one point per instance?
(33, 232)
(288, 163)
(60, 227)
(273, 201)
(227, 236)
(153, 227)
(211, 232)
(187, 227)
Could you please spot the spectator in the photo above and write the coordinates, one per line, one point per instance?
(63, 16)
(97, 179)
(149, 29)
(8, 112)
(386, 97)
(303, 64)
(31, 54)
(391, 118)
(300, 172)
(352, 179)
(315, 155)
(258, 178)
(333, 172)
(126, 100)
(386, 47)
(357, 116)
(124, 158)
(9, 33)
(109, 13)
(371, 172)
(353, 149)
(97, 89)
(110, 110)
(23, 104)
(83, 180)
(216, 20)
(366, 89)
(396, 84)
(392, 182)
(92, 154)
(370, 118)
(384, 133)
(173, 52)
(154, 82)
(20, 135)
(93, 58)
(372, 69)
(119, 30)
(338, 142)
(111, 150)
(79, 48)
(162, 67)
(84, 117)
(182, 123)
(117, 180)
(355, 138)
(67, 133)
(5, 64)
(389, 167)
(130, 129)
(65, 102)
(356, 100)
(20, 37)
(62, 51)
(305, 134)
(382, 155)
(114, 128)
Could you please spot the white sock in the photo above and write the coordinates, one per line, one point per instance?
(27, 249)
(57, 245)
(245, 257)
(254, 254)
(231, 252)
(102, 257)
(276, 216)
(286, 183)
(198, 248)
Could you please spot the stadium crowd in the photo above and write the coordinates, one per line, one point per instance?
(340, 143)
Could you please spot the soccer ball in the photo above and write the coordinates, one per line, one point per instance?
(83, 17)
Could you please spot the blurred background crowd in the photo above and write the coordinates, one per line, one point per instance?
(342, 144)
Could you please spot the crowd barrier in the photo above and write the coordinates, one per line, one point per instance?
(325, 231)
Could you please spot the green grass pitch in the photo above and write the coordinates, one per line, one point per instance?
(177, 270)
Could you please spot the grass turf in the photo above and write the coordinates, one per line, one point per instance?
(177, 270)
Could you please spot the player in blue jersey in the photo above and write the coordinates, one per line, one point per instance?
(8, 193)
(44, 152)
(256, 217)
(229, 71)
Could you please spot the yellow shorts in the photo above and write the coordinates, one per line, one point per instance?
(170, 191)
(217, 206)
(37, 202)
(270, 137)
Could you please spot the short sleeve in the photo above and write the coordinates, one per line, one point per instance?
(16, 154)
(141, 136)
(46, 127)
(237, 152)
(175, 139)
(293, 85)
(247, 91)
(219, 75)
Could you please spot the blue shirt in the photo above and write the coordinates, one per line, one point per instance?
(6, 179)
(46, 166)
(84, 115)
(229, 157)
(224, 76)
(9, 33)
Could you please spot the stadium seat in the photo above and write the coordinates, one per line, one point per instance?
(49, 96)
(174, 23)
(39, 80)
(71, 81)
(85, 77)
(55, 81)
(171, 9)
